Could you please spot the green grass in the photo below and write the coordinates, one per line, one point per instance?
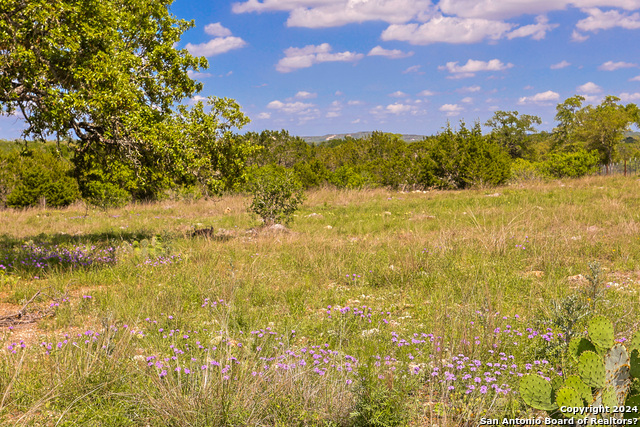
(424, 263)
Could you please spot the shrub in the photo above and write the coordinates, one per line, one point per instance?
(311, 174)
(525, 170)
(276, 194)
(571, 165)
(462, 159)
(349, 177)
(35, 176)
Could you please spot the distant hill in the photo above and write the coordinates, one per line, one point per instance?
(355, 135)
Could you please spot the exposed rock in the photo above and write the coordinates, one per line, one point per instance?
(315, 215)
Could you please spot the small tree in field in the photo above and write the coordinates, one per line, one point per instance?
(276, 194)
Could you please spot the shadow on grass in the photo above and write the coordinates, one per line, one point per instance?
(45, 252)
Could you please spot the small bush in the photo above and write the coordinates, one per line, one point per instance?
(32, 177)
(349, 177)
(525, 170)
(571, 165)
(276, 194)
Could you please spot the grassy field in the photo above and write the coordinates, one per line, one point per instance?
(373, 308)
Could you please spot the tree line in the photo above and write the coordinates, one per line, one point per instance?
(104, 81)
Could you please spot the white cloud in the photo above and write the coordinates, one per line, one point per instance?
(217, 30)
(505, 9)
(612, 66)
(635, 79)
(339, 93)
(451, 109)
(332, 13)
(398, 94)
(264, 116)
(216, 46)
(589, 87)
(393, 54)
(536, 31)
(560, 65)
(426, 93)
(467, 100)
(398, 108)
(599, 20)
(470, 89)
(473, 66)
(304, 57)
(629, 97)
(332, 114)
(355, 102)
(196, 75)
(578, 37)
(540, 98)
(413, 69)
(305, 95)
(292, 107)
(443, 29)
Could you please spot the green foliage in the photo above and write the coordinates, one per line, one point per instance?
(276, 194)
(311, 174)
(605, 375)
(571, 164)
(349, 177)
(600, 128)
(36, 176)
(513, 132)
(462, 159)
(524, 170)
(108, 75)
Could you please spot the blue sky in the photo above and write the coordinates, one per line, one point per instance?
(407, 66)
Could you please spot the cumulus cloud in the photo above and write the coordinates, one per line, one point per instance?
(560, 65)
(264, 116)
(446, 29)
(589, 87)
(536, 31)
(398, 94)
(540, 98)
(600, 20)
(304, 57)
(635, 79)
(413, 69)
(473, 66)
(292, 107)
(305, 95)
(196, 75)
(392, 54)
(451, 109)
(332, 13)
(467, 100)
(505, 9)
(398, 108)
(426, 93)
(629, 97)
(217, 30)
(470, 89)
(578, 37)
(222, 43)
(612, 66)
(355, 102)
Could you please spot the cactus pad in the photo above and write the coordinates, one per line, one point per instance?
(578, 385)
(591, 369)
(537, 392)
(616, 364)
(634, 343)
(634, 363)
(577, 346)
(570, 398)
(601, 332)
(633, 401)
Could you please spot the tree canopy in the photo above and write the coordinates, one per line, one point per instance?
(106, 74)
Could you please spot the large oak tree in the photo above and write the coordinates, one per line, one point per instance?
(107, 75)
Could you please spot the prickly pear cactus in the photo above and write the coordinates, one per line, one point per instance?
(537, 392)
(606, 376)
(591, 369)
(600, 332)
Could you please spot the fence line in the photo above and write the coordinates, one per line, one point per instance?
(630, 167)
